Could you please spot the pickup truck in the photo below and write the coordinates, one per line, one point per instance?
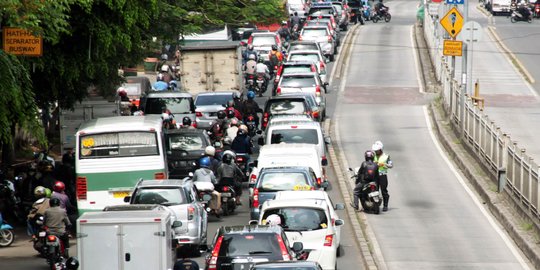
(180, 196)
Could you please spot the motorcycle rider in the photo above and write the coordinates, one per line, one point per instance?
(368, 172)
(284, 32)
(205, 174)
(248, 53)
(251, 108)
(250, 67)
(232, 106)
(380, 8)
(57, 221)
(218, 127)
(38, 209)
(210, 152)
(524, 11)
(276, 58)
(385, 163)
(186, 123)
(231, 132)
(168, 119)
(242, 143)
(59, 192)
(228, 174)
(262, 68)
(295, 20)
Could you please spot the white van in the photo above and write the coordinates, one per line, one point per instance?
(296, 131)
(279, 155)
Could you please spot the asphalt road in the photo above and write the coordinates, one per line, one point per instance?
(22, 256)
(433, 221)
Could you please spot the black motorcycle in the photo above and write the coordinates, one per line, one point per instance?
(518, 16)
(251, 123)
(261, 84)
(370, 197)
(383, 14)
(228, 199)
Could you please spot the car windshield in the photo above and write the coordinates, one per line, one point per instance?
(249, 244)
(299, 218)
(314, 32)
(296, 69)
(264, 41)
(294, 135)
(166, 196)
(298, 82)
(276, 181)
(304, 57)
(204, 100)
(156, 105)
(186, 141)
(287, 107)
(303, 47)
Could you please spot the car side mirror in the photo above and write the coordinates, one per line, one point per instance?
(327, 140)
(298, 246)
(339, 222)
(177, 224)
(339, 206)
(253, 222)
(260, 141)
(127, 199)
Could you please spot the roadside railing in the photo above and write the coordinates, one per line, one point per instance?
(511, 168)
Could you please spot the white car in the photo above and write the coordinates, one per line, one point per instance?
(313, 56)
(312, 221)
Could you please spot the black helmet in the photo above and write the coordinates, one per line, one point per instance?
(274, 47)
(227, 158)
(54, 202)
(221, 114)
(230, 114)
(186, 121)
(241, 132)
(72, 263)
(369, 155)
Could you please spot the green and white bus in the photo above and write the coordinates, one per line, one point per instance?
(112, 154)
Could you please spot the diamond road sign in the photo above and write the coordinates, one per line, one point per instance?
(452, 22)
(455, 2)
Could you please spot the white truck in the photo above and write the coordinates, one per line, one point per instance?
(125, 240)
(209, 66)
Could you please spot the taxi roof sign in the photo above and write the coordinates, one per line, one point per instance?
(452, 22)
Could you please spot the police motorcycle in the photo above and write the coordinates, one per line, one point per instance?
(370, 197)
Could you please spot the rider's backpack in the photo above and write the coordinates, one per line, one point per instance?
(371, 171)
(274, 59)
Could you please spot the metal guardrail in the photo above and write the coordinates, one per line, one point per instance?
(512, 169)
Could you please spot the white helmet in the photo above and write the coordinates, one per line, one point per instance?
(210, 151)
(251, 57)
(165, 68)
(165, 116)
(230, 152)
(273, 219)
(377, 146)
(160, 77)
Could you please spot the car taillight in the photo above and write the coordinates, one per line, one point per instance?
(191, 212)
(278, 91)
(329, 38)
(284, 252)
(265, 119)
(198, 114)
(252, 178)
(319, 181)
(212, 263)
(82, 188)
(318, 90)
(328, 240)
(159, 175)
(315, 114)
(255, 198)
(194, 124)
(313, 69)
(322, 66)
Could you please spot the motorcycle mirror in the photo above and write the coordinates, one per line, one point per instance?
(327, 140)
(339, 206)
(339, 222)
(297, 247)
(324, 185)
(350, 169)
(190, 174)
(127, 199)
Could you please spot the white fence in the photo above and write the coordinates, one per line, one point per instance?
(505, 159)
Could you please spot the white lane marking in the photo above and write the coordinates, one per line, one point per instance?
(416, 61)
(506, 239)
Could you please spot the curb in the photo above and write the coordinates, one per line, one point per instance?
(513, 58)
(484, 186)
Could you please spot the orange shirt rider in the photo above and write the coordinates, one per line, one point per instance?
(275, 57)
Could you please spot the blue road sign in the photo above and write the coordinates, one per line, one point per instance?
(455, 2)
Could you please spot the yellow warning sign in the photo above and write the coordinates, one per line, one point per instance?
(21, 42)
(452, 47)
(452, 22)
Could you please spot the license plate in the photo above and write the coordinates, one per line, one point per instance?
(373, 194)
(120, 194)
(42, 234)
(250, 123)
(226, 195)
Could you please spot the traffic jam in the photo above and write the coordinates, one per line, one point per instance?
(194, 157)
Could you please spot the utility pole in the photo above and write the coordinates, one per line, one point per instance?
(464, 69)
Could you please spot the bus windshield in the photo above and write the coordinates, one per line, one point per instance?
(118, 144)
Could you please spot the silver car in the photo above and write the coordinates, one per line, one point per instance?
(323, 36)
(209, 103)
(181, 198)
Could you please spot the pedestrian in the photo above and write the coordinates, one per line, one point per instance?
(385, 163)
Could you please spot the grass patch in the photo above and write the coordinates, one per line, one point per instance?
(457, 141)
(526, 226)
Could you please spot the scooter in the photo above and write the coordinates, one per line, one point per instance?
(241, 160)
(205, 190)
(370, 197)
(251, 125)
(250, 81)
(228, 199)
(518, 17)
(261, 84)
(384, 14)
(6, 233)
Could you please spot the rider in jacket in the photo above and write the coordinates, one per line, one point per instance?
(363, 176)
